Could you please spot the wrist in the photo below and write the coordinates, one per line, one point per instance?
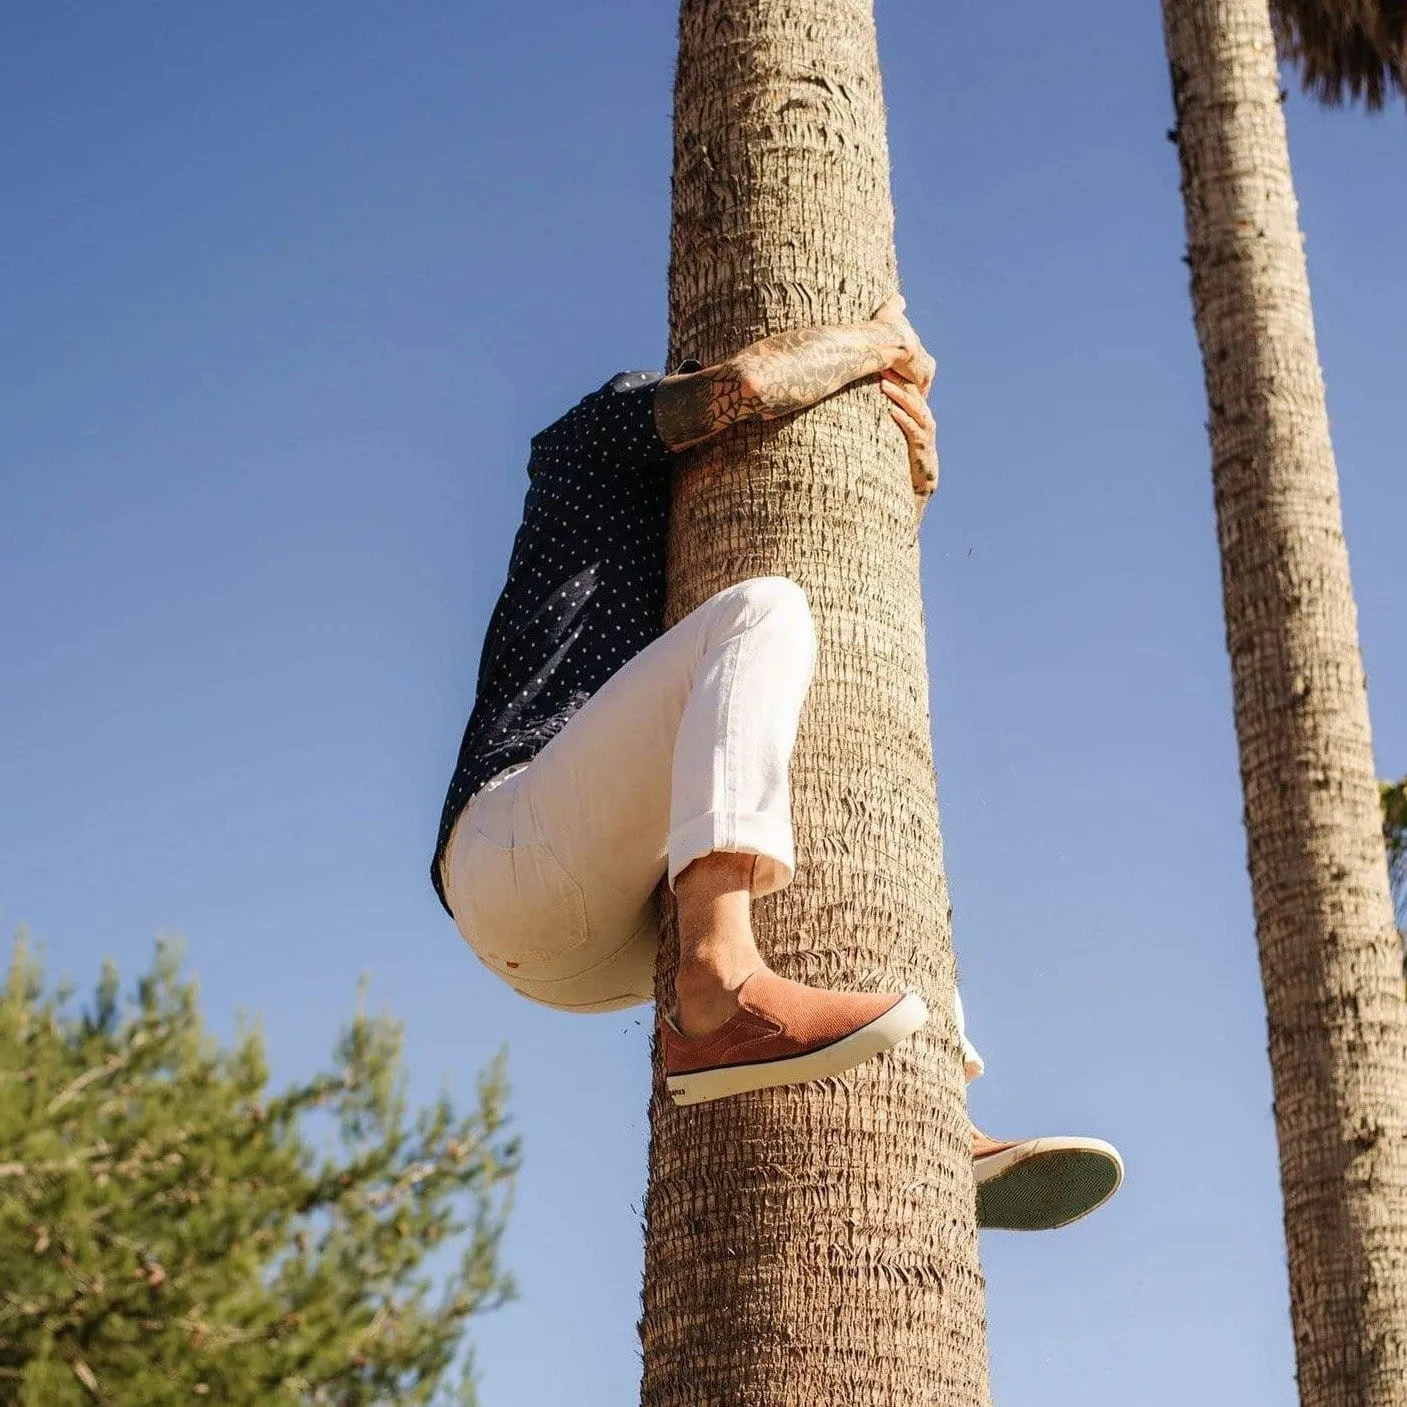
(884, 340)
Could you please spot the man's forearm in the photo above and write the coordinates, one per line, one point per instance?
(794, 370)
(773, 377)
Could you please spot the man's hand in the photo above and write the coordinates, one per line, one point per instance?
(910, 359)
(789, 372)
(909, 407)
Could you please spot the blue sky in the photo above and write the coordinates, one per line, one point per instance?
(286, 289)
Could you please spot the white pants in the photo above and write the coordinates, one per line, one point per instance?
(551, 869)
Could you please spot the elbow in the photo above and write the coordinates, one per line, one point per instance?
(751, 389)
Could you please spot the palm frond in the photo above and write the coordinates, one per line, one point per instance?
(1394, 797)
(1346, 50)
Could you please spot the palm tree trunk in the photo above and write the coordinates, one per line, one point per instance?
(815, 1245)
(1330, 958)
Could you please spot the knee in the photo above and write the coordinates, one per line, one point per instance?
(770, 605)
(770, 598)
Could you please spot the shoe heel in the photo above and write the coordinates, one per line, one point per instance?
(682, 1091)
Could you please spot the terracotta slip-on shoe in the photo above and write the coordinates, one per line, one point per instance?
(784, 1034)
(1037, 1184)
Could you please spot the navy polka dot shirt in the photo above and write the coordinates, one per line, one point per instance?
(585, 590)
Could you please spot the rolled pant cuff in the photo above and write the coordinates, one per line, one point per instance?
(766, 836)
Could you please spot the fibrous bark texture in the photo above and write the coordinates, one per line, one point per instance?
(815, 1245)
(1331, 960)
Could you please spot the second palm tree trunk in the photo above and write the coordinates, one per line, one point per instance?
(1331, 958)
(814, 1245)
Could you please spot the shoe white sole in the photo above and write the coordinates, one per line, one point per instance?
(883, 1033)
(1045, 1183)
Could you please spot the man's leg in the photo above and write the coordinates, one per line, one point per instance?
(647, 779)
(720, 695)
(717, 950)
(718, 953)
(1036, 1184)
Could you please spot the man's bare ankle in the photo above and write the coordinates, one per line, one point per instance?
(706, 997)
(719, 873)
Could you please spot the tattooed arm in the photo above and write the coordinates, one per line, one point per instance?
(788, 372)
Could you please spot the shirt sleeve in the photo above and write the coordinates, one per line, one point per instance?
(628, 408)
(613, 428)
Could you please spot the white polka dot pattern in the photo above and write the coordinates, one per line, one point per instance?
(585, 589)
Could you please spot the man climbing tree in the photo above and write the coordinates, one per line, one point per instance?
(605, 754)
(810, 1214)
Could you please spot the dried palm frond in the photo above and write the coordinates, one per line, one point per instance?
(1346, 50)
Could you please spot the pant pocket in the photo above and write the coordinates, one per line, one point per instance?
(523, 913)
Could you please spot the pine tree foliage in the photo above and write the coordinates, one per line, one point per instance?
(173, 1231)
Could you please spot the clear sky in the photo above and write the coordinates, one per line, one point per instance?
(285, 290)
